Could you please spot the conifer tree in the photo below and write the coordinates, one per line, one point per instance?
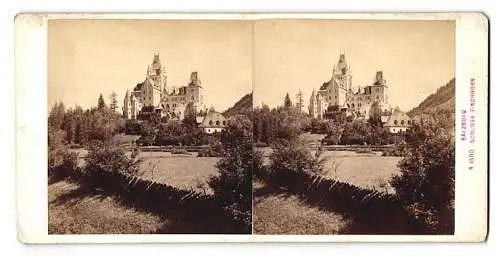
(101, 105)
(288, 102)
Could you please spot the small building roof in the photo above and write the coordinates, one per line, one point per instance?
(210, 120)
(398, 116)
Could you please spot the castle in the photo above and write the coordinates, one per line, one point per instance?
(338, 91)
(153, 93)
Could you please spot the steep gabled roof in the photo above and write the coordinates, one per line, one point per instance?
(325, 85)
(138, 87)
(398, 116)
(213, 117)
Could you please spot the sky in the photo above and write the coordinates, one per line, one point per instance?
(233, 58)
(90, 57)
(417, 57)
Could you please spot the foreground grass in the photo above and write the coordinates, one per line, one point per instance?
(185, 172)
(181, 171)
(73, 212)
(275, 213)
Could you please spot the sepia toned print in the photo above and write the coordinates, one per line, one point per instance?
(251, 127)
(149, 128)
(354, 127)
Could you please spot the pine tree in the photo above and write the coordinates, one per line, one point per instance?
(101, 105)
(375, 114)
(288, 102)
(114, 103)
(300, 101)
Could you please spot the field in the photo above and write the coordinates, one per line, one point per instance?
(370, 171)
(281, 213)
(184, 171)
(275, 213)
(72, 211)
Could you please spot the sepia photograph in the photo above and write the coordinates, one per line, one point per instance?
(251, 127)
(149, 128)
(354, 127)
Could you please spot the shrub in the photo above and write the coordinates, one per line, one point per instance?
(108, 157)
(233, 185)
(398, 150)
(261, 144)
(330, 139)
(215, 150)
(363, 150)
(62, 164)
(427, 181)
(132, 127)
(294, 157)
(179, 150)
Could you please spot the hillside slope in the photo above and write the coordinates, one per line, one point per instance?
(243, 106)
(441, 101)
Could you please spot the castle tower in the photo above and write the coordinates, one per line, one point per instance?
(194, 92)
(341, 83)
(380, 89)
(154, 87)
(342, 73)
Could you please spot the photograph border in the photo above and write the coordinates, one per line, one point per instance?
(472, 62)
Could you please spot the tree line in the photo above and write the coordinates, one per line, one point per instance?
(81, 127)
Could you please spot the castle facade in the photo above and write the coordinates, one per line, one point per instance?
(338, 91)
(153, 93)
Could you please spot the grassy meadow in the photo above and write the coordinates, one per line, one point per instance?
(73, 210)
(184, 172)
(276, 212)
(364, 170)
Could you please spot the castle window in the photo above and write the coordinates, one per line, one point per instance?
(210, 123)
(402, 122)
(217, 123)
(224, 123)
(395, 122)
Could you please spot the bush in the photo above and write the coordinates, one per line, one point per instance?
(398, 150)
(62, 164)
(330, 139)
(133, 127)
(215, 150)
(108, 157)
(427, 181)
(363, 150)
(179, 151)
(261, 144)
(294, 157)
(233, 185)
